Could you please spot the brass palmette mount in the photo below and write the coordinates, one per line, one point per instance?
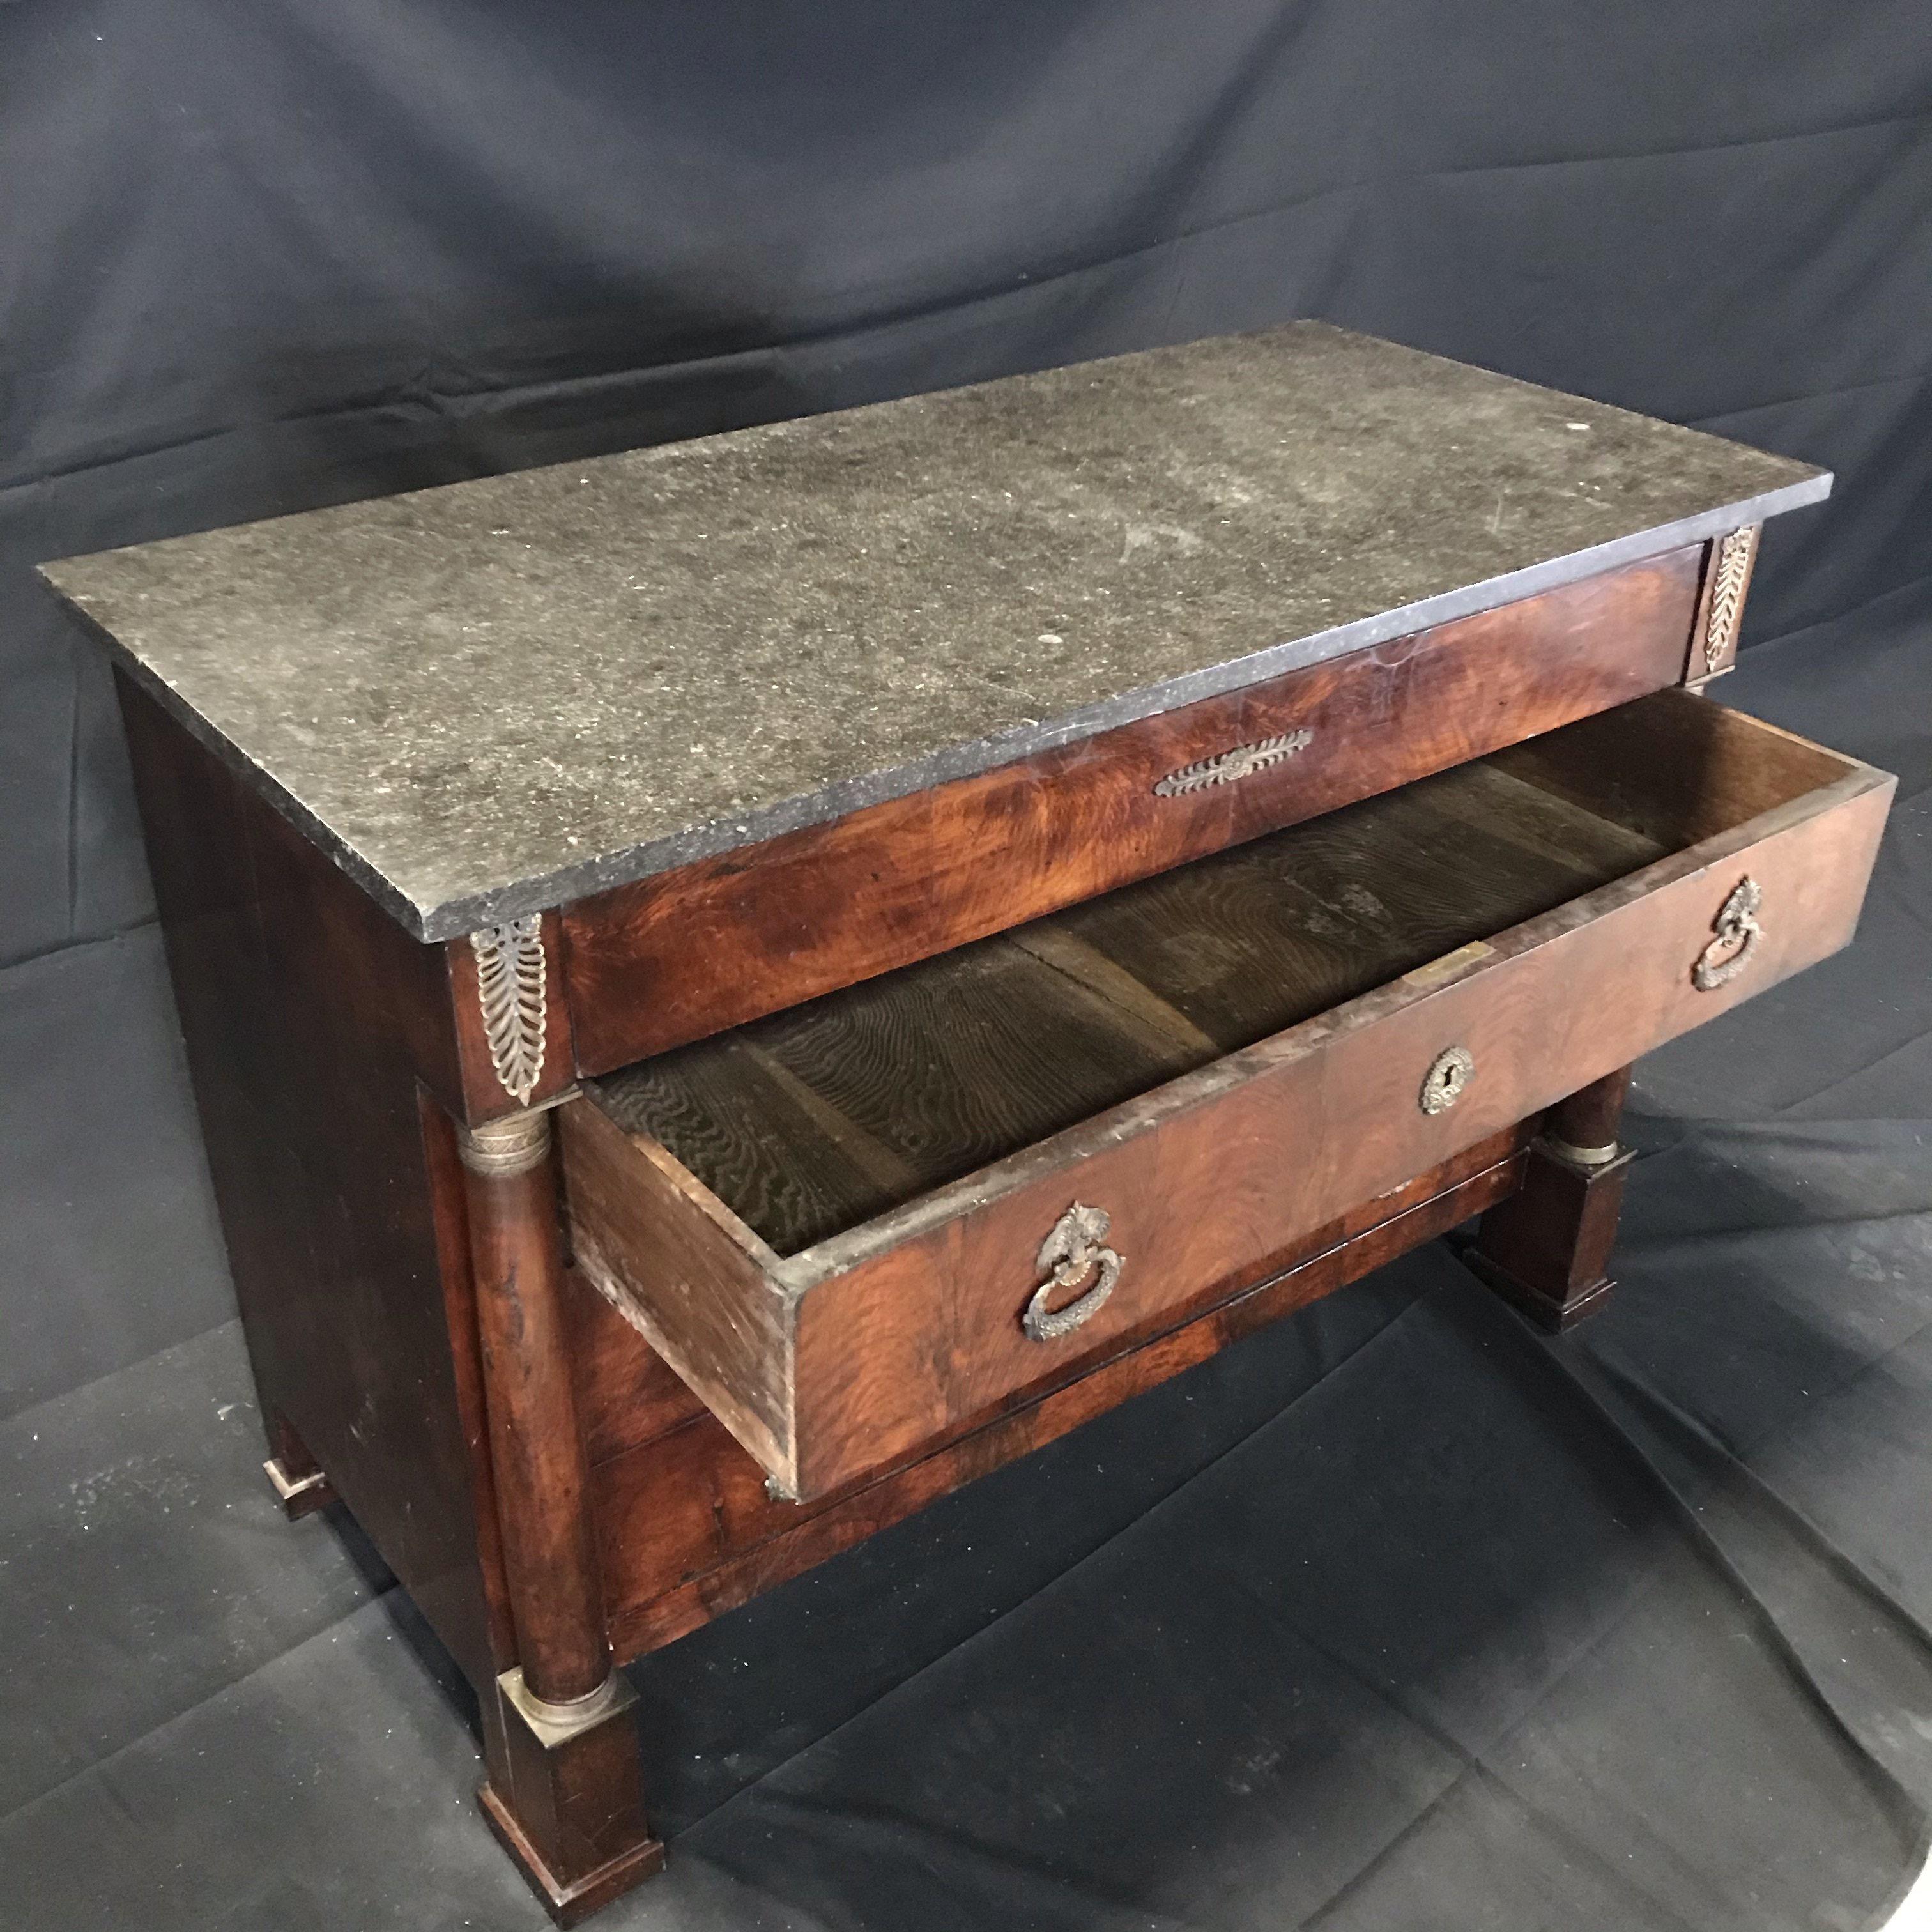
(1732, 570)
(511, 994)
(1229, 767)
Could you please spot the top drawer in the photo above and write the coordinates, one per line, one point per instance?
(820, 908)
(857, 1226)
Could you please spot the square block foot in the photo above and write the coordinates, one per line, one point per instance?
(570, 1904)
(1543, 1311)
(300, 1495)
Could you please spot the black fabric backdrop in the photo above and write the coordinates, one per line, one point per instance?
(1393, 1616)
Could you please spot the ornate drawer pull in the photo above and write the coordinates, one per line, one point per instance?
(1230, 767)
(1449, 1072)
(1737, 929)
(1069, 1254)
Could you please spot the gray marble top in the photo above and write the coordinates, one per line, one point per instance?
(500, 695)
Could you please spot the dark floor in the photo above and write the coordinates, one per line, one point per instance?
(1393, 1617)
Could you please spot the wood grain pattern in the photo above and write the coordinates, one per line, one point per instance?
(450, 1209)
(905, 1324)
(1588, 1120)
(1547, 1248)
(812, 1121)
(629, 1397)
(1693, 772)
(818, 909)
(311, 1023)
(690, 1532)
(694, 1280)
(322, 1044)
(548, 1543)
(1195, 1177)
(627, 1393)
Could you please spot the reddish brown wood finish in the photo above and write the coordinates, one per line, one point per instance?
(626, 1393)
(450, 1207)
(418, 1332)
(821, 908)
(692, 1531)
(1585, 1122)
(876, 1342)
(313, 1026)
(628, 1396)
(550, 1551)
(309, 1019)
(565, 1792)
(585, 1778)
(568, 1807)
(1547, 1248)
(694, 1276)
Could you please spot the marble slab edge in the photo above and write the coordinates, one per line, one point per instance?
(452, 918)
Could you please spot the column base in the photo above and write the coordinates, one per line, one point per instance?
(567, 1803)
(1543, 1311)
(569, 1904)
(1546, 1248)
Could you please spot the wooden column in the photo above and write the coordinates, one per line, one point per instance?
(1547, 1248)
(573, 1816)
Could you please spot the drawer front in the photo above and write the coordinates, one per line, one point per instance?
(900, 881)
(1207, 1180)
(870, 1344)
(688, 1529)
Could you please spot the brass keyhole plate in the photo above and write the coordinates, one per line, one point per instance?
(1448, 1074)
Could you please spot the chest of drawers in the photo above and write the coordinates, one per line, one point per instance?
(734, 988)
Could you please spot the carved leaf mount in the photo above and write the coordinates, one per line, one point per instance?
(510, 993)
(1732, 574)
(1227, 767)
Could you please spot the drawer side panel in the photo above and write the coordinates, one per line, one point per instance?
(644, 1242)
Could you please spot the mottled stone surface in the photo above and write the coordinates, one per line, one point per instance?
(502, 695)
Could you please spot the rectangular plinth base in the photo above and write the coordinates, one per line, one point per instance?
(570, 1904)
(1546, 1249)
(1549, 1314)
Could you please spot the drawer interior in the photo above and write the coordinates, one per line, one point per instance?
(816, 1120)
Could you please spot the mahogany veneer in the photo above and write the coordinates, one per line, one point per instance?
(1247, 832)
(815, 910)
(828, 1222)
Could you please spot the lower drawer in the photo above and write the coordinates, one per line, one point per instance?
(855, 1226)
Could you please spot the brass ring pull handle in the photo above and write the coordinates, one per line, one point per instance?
(1737, 929)
(1069, 1254)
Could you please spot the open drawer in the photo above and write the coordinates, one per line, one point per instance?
(857, 1225)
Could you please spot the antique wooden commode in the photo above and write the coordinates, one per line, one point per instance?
(734, 988)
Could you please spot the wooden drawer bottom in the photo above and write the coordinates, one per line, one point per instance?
(854, 1226)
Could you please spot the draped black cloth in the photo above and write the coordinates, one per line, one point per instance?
(1393, 1616)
